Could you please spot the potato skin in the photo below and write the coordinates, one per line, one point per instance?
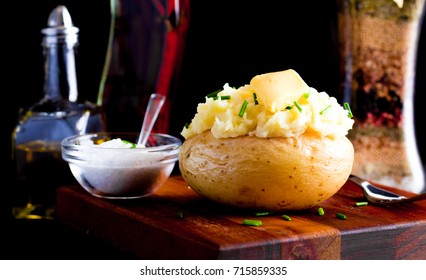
(272, 174)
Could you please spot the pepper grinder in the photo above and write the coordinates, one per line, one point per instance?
(41, 128)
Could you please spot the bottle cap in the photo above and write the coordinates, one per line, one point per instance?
(60, 28)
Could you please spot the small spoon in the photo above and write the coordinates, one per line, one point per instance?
(380, 196)
(153, 108)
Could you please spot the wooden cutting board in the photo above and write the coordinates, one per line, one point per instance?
(149, 228)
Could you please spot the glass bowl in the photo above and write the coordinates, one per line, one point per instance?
(121, 172)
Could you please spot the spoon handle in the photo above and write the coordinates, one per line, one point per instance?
(154, 106)
(404, 200)
(416, 198)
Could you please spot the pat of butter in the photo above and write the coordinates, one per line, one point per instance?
(277, 90)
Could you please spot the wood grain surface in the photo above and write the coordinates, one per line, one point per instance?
(150, 228)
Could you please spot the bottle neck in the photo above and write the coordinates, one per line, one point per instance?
(60, 72)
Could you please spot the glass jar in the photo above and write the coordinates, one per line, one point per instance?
(378, 42)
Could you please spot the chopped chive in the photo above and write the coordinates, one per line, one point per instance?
(248, 222)
(341, 216)
(346, 105)
(255, 98)
(325, 109)
(266, 213)
(286, 217)
(306, 94)
(361, 203)
(129, 143)
(321, 211)
(213, 94)
(180, 214)
(243, 108)
(222, 97)
(298, 106)
(288, 107)
(186, 125)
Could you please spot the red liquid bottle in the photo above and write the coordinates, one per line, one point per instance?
(145, 49)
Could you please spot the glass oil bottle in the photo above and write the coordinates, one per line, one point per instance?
(41, 128)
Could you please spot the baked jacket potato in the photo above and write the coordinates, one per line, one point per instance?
(273, 174)
(275, 144)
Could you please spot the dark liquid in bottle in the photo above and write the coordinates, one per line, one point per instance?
(144, 57)
(39, 164)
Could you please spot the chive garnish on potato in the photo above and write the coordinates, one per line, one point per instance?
(325, 109)
(298, 106)
(346, 105)
(243, 108)
(255, 99)
(213, 94)
(306, 94)
(222, 97)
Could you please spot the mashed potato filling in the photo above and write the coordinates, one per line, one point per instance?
(277, 104)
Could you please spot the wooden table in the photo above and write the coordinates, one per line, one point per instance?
(150, 228)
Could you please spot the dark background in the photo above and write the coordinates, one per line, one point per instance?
(228, 41)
